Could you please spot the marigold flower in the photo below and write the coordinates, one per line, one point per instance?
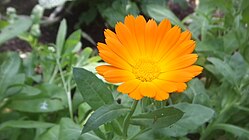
(148, 59)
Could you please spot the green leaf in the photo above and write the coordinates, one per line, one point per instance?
(69, 130)
(15, 85)
(229, 40)
(71, 42)
(8, 69)
(235, 130)
(103, 115)
(88, 16)
(245, 52)
(89, 136)
(84, 55)
(20, 26)
(52, 98)
(25, 124)
(240, 67)
(159, 13)
(117, 11)
(37, 105)
(51, 134)
(163, 117)
(195, 115)
(61, 36)
(213, 47)
(92, 89)
(224, 69)
(3, 24)
(197, 92)
(29, 91)
(245, 11)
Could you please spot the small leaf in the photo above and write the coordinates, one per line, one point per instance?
(61, 36)
(163, 117)
(117, 11)
(71, 42)
(245, 52)
(52, 98)
(20, 26)
(197, 92)
(224, 69)
(235, 130)
(92, 89)
(51, 134)
(29, 91)
(84, 55)
(103, 115)
(37, 105)
(195, 115)
(69, 130)
(89, 136)
(25, 124)
(159, 13)
(9, 67)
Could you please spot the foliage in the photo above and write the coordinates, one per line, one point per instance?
(53, 91)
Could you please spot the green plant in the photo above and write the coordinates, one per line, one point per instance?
(53, 91)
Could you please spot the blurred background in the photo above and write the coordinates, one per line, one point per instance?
(41, 40)
(90, 16)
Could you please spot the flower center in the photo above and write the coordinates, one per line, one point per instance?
(146, 70)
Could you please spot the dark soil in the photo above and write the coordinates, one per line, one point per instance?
(15, 45)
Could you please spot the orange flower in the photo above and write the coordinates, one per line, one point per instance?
(148, 59)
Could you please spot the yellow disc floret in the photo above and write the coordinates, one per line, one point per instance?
(146, 70)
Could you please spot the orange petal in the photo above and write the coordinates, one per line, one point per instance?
(114, 60)
(109, 33)
(127, 39)
(194, 70)
(117, 76)
(119, 50)
(162, 29)
(176, 76)
(161, 95)
(129, 86)
(150, 37)
(186, 47)
(181, 87)
(136, 94)
(103, 47)
(178, 63)
(123, 33)
(147, 89)
(130, 23)
(104, 68)
(185, 36)
(169, 40)
(166, 86)
(140, 24)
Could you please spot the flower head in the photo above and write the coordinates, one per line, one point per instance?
(148, 59)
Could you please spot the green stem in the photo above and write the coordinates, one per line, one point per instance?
(128, 118)
(68, 93)
(170, 101)
(54, 74)
(207, 132)
(220, 118)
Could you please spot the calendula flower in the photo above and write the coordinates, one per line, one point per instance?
(149, 60)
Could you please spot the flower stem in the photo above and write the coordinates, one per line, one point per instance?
(67, 91)
(128, 117)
